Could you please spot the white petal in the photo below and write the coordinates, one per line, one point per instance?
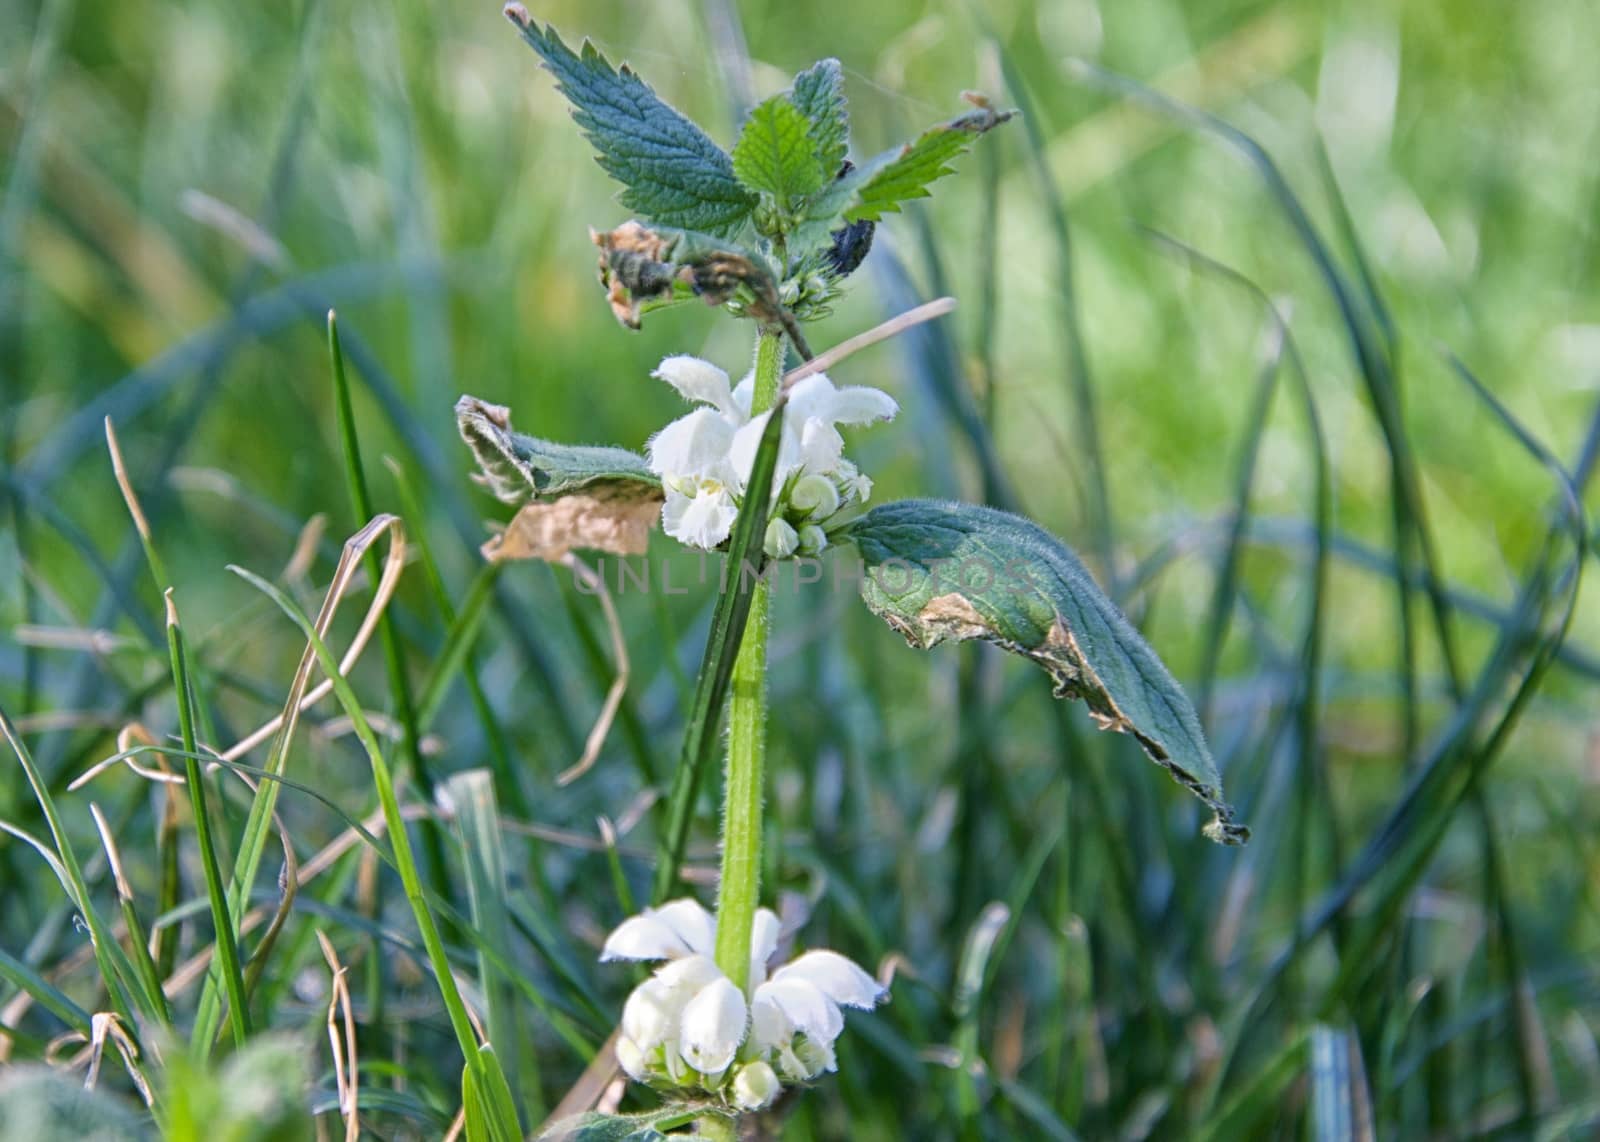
(745, 392)
(680, 928)
(812, 399)
(840, 979)
(689, 918)
(763, 934)
(712, 1027)
(746, 442)
(689, 974)
(697, 380)
(650, 1016)
(769, 1026)
(821, 446)
(805, 1005)
(704, 521)
(861, 405)
(693, 445)
(644, 937)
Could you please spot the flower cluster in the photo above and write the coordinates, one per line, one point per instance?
(688, 1026)
(704, 458)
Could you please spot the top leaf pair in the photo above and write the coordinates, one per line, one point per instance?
(768, 230)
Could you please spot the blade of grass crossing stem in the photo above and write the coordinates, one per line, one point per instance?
(405, 861)
(122, 981)
(393, 657)
(701, 736)
(226, 960)
(477, 822)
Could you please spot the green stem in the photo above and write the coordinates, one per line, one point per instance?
(740, 891)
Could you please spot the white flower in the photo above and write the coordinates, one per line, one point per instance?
(689, 1025)
(713, 1026)
(704, 458)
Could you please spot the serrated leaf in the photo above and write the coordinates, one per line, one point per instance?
(671, 171)
(775, 153)
(902, 174)
(517, 466)
(819, 94)
(938, 571)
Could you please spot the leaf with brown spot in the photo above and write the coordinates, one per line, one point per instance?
(943, 571)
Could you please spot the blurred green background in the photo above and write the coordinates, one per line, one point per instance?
(189, 187)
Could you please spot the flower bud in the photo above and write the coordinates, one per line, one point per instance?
(812, 539)
(781, 539)
(630, 1058)
(755, 1086)
(816, 496)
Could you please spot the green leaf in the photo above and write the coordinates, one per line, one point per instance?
(593, 1126)
(517, 466)
(819, 94)
(776, 153)
(901, 174)
(486, 1099)
(671, 172)
(938, 571)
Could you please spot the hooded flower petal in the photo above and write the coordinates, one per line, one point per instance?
(840, 979)
(821, 446)
(680, 928)
(697, 380)
(861, 405)
(815, 397)
(763, 942)
(712, 1026)
(689, 974)
(769, 1026)
(747, 442)
(702, 520)
(695, 445)
(650, 1016)
(805, 1005)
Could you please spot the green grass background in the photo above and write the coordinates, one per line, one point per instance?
(411, 166)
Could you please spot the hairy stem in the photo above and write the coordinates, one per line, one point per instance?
(747, 740)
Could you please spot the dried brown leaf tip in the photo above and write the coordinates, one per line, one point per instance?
(639, 265)
(609, 520)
